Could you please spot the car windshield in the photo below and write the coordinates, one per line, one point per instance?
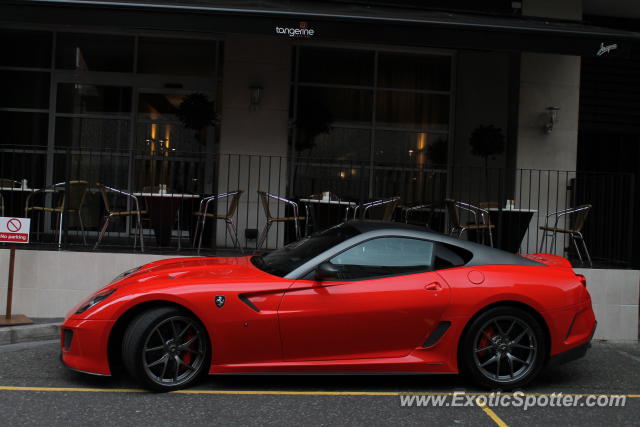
(283, 261)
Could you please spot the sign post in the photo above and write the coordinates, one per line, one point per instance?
(14, 231)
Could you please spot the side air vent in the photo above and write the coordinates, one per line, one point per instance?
(437, 333)
(247, 301)
(68, 337)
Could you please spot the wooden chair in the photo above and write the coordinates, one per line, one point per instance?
(577, 217)
(77, 193)
(481, 220)
(113, 214)
(203, 214)
(296, 218)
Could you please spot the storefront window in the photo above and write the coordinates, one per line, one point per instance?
(410, 165)
(319, 107)
(159, 106)
(176, 56)
(81, 98)
(25, 79)
(387, 114)
(335, 66)
(21, 48)
(24, 89)
(92, 133)
(113, 122)
(409, 110)
(94, 52)
(414, 72)
(23, 128)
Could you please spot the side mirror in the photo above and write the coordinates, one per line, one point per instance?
(326, 271)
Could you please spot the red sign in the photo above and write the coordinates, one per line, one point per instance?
(14, 230)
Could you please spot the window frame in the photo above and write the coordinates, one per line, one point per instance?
(430, 267)
(139, 82)
(371, 165)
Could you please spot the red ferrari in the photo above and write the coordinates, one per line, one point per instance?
(365, 297)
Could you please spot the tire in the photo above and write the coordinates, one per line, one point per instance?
(503, 348)
(165, 349)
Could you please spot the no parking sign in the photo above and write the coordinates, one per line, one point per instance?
(14, 230)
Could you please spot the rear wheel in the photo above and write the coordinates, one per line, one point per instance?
(505, 348)
(165, 349)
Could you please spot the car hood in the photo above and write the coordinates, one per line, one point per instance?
(196, 270)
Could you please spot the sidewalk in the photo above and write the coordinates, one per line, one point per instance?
(42, 329)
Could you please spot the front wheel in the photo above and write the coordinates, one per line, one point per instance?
(165, 349)
(504, 348)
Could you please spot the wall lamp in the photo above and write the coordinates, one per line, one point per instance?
(551, 119)
(255, 97)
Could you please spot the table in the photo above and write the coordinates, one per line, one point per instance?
(511, 226)
(14, 203)
(327, 213)
(162, 209)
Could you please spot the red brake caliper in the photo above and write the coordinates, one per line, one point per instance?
(187, 356)
(485, 341)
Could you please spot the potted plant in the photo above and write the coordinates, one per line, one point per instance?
(487, 141)
(196, 112)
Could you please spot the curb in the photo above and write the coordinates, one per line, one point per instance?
(28, 333)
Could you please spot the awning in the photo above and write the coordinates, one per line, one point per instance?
(349, 23)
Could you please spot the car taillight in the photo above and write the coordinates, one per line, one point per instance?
(583, 280)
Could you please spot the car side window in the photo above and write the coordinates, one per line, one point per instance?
(448, 256)
(384, 256)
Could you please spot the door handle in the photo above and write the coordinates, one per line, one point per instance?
(433, 286)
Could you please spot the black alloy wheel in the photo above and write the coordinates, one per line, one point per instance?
(166, 349)
(504, 348)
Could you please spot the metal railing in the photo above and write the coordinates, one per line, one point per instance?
(169, 187)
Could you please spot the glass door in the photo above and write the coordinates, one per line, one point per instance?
(174, 141)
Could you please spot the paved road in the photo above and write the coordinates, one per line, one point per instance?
(36, 390)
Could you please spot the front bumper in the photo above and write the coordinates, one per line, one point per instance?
(84, 345)
(574, 353)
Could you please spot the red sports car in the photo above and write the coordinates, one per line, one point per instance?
(360, 297)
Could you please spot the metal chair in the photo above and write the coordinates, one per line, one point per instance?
(481, 219)
(577, 217)
(296, 218)
(203, 214)
(412, 210)
(7, 183)
(387, 206)
(77, 193)
(111, 213)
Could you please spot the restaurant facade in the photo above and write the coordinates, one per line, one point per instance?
(367, 100)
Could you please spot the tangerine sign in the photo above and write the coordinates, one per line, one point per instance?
(14, 230)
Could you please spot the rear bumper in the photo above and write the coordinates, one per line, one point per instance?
(574, 353)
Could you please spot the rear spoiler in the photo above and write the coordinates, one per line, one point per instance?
(550, 260)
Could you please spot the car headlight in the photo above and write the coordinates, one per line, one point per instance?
(95, 299)
(125, 274)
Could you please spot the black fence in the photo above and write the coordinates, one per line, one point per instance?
(161, 198)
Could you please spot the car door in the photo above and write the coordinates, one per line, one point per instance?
(384, 303)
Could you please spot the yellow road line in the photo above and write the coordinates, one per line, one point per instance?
(291, 393)
(73, 389)
(496, 419)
